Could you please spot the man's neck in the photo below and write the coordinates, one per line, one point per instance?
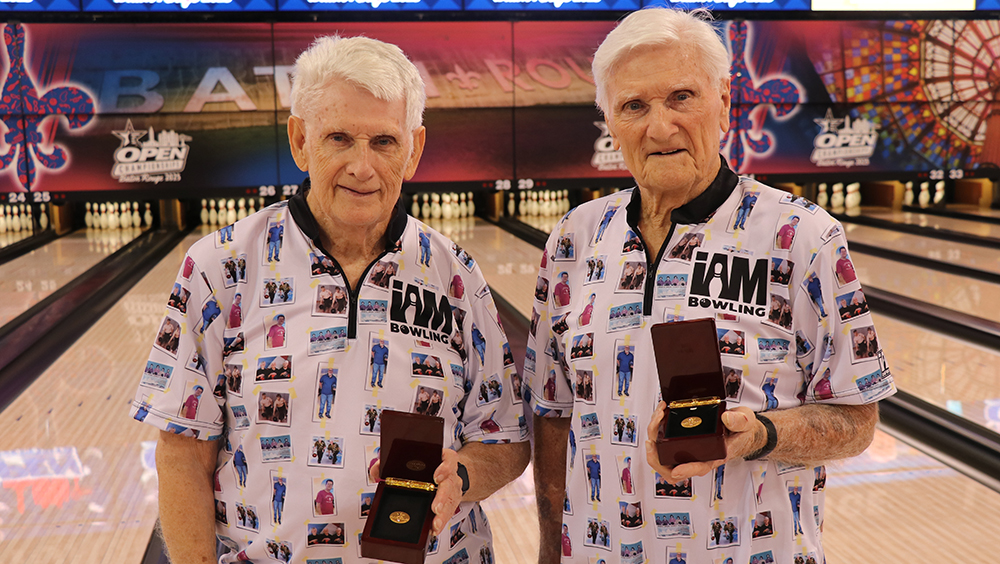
(657, 207)
(348, 246)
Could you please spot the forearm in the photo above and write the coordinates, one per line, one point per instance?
(185, 468)
(817, 432)
(551, 435)
(492, 466)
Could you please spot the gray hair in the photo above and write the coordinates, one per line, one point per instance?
(380, 68)
(660, 26)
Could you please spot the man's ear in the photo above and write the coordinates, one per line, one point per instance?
(297, 141)
(419, 137)
(727, 99)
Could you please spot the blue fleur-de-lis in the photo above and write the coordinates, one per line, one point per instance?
(781, 94)
(23, 111)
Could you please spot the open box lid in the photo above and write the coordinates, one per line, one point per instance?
(688, 361)
(411, 446)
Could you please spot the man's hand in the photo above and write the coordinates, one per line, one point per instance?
(449, 491)
(746, 435)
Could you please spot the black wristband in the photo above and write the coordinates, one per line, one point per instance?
(772, 439)
(463, 473)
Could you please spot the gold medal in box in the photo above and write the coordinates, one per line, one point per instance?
(690, 371)
(399, 521)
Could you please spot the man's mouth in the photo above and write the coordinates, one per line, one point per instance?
(667, 153)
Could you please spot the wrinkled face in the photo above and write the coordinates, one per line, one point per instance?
(357, 152)
(666, 115)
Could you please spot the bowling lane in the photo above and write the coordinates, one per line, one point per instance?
(876, 501)
(974, 210)
(951, 291)
(980, 229)
(962, 254)
(78, 476)
(31, 278)
(9, 237)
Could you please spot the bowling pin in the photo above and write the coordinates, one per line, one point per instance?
(102, 217)
(29, 220)
(204, 211)
(436, 205)
(522, 205)
(533, 204)
(3, 219)
(908, 194)
(853, 198)
(415, 205)
(472, 204)
(113, 215)
(939, 192)
(241, 212)
(231, 211)
(446, 205)
(837, 198)
(250, 210)
(136, 220)
(425, 207)
(924, 198)
(511, 204)
(88, 218)
(24, 217)
(43, 219)
(463, 207)
(148, 216)
(213, 215)
(822, 198)
(126, 217)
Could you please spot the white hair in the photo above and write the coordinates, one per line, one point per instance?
(380, 68)
(660, 26)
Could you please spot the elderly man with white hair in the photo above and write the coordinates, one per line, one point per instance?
(355, 128)
(662, 81)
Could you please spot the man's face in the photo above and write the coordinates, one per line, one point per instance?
(357, 152)
(666, 114)
(843, 253)
(329, 486)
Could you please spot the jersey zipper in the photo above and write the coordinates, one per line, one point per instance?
(354, 293)
(651, 269)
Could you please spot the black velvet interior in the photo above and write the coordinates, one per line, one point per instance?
(416, 503)
(709, 419)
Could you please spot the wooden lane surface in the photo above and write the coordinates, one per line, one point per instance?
(80, 404)
(32, 277)
(891, 501)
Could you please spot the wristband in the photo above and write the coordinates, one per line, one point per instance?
(463, 473)
(772, 439)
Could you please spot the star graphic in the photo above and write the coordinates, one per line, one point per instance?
(829, 123)
(129, 135)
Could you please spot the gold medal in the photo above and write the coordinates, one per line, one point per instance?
(416, 465)
(399, 517)
(691, 422)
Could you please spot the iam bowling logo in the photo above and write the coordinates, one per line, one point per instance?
(23, 110)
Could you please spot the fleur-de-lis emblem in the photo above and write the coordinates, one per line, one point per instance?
(467, 80)
(24, 110)
(781, 94)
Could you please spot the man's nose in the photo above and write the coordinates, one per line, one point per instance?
(360, 165)
(662, 122)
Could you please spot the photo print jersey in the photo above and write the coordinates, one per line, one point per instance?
(764, 264)
(265, 346)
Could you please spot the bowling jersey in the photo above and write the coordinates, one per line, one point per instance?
(776, 357)
(272, 405)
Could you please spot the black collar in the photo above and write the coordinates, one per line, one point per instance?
(697, 210)
(304, 218)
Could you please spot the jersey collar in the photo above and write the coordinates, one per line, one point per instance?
(304, 218)
(697, 210)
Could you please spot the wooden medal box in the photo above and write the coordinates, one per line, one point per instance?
(399, 521)
(693, 385)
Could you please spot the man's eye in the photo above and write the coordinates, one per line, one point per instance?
(338, 137)
(633, 106)
(384, 141)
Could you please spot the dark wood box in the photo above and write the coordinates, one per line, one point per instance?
(693, 385)
(410, 453)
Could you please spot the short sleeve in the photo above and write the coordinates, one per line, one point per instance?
(548, 392)
(177, 392)
(837, 344)
(491, 411)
